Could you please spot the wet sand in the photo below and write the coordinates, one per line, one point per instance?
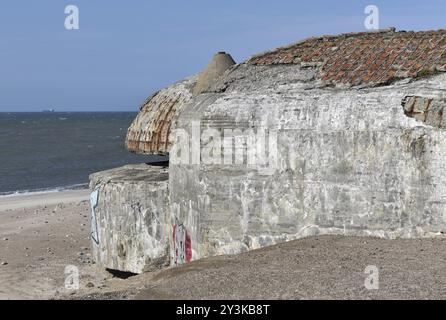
(42, 234)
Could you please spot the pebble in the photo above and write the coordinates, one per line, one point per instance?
(5, 239)
(58, 207)
(4, 263)
(89, 285)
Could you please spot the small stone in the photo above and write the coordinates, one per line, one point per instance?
(4, 263)
(89, 285)
(5, 239)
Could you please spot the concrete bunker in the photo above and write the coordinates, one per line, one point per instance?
(355, 120)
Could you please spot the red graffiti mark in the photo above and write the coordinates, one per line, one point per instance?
(188, 245)
(175, 249)
(174, 232)
(182, 244)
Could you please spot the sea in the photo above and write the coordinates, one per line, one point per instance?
(56, 151)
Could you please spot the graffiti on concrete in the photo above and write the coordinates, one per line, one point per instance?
(182, 246)
(94, 198)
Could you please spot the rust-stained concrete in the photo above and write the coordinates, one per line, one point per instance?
(365, 58)
(149, 132)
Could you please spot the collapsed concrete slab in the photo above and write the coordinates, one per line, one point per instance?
(129, 231)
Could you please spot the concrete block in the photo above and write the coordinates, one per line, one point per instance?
(128, 219)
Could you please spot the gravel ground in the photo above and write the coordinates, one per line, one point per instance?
(324, 267)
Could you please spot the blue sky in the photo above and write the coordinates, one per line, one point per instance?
(125, 50)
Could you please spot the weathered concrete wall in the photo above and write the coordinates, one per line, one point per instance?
(129, 231)
(347, 162)
(332, 135)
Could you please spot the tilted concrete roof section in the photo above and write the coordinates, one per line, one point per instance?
(149, 132)
(214, 70)
(366, 58)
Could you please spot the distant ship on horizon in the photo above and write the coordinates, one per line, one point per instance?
(49, 110)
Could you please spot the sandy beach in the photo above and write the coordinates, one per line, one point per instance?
(41, 234)
(36, 199)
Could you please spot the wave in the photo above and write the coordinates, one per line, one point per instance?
(43, 190)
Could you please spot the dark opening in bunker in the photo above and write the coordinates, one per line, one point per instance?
(120, 274)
